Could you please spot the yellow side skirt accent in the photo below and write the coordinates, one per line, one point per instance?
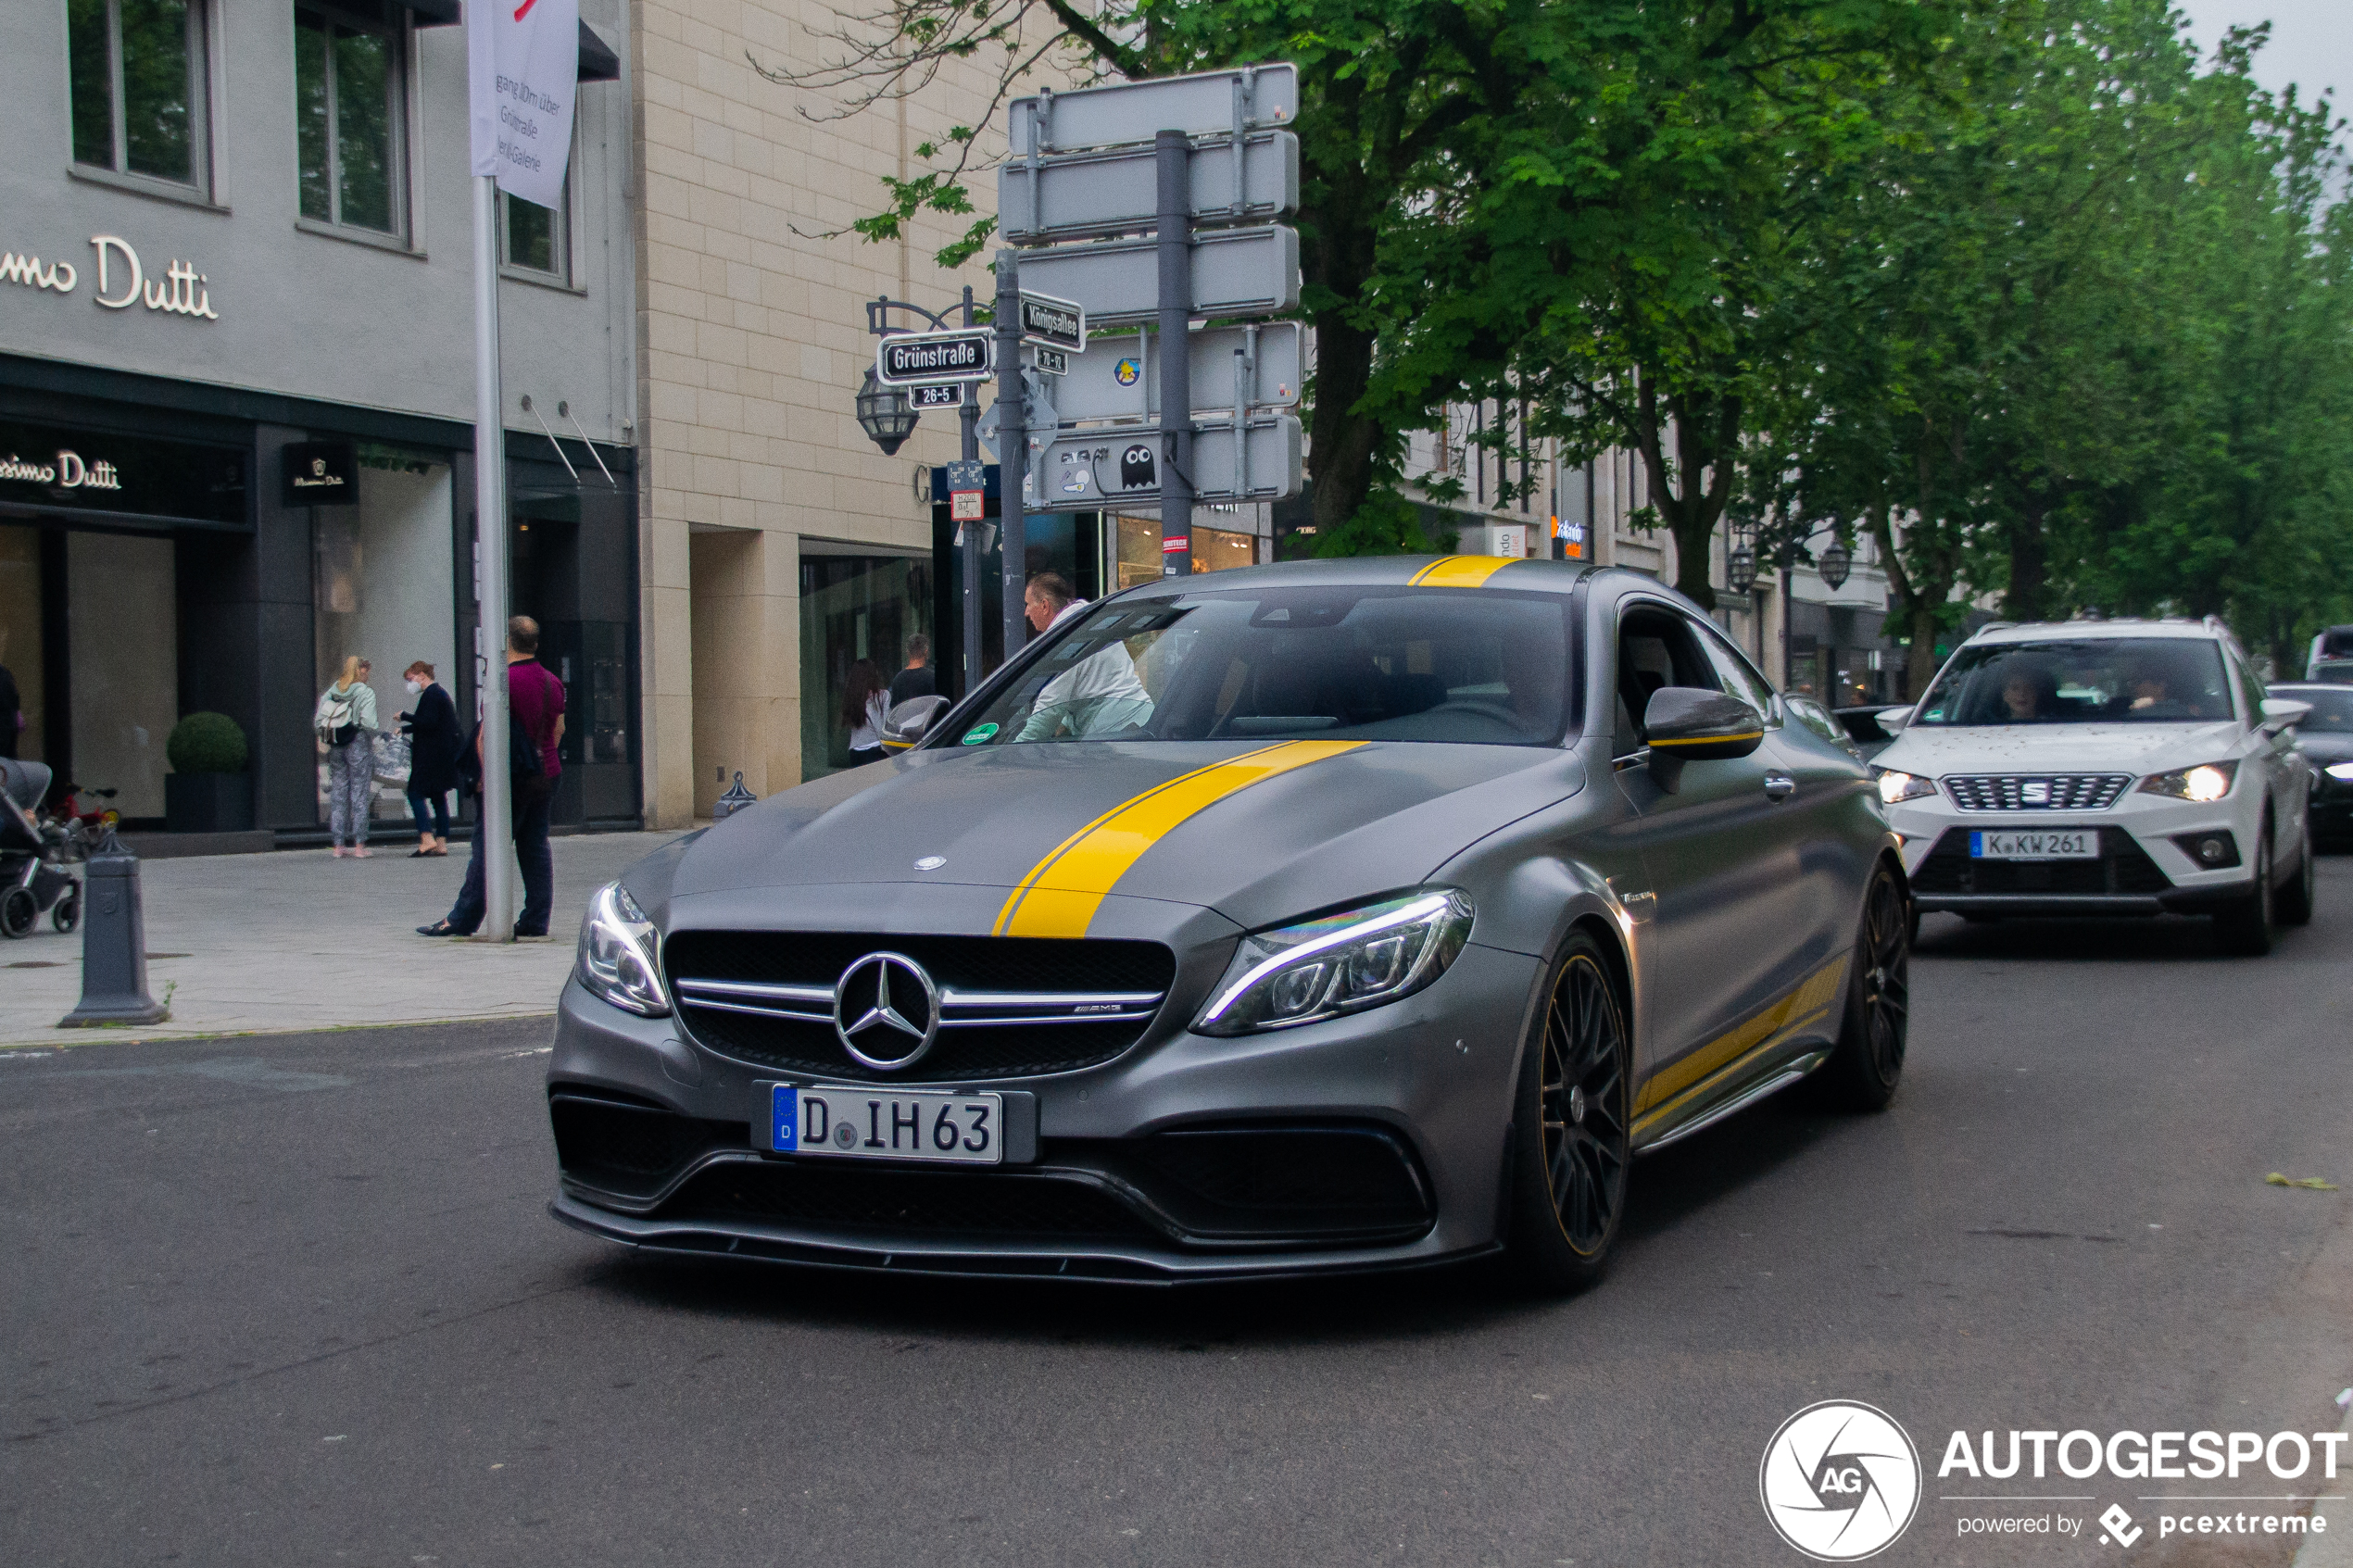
(1059, 897)
(1730, 1052)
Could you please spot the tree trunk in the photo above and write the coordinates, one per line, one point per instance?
(1919, 662)
(1705, 430)
(2029, 564)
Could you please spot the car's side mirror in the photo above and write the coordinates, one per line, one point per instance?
(907, 722)
(1693, 724)
(1892, 721)
(2280, 713)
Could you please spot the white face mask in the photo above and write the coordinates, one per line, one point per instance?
(415, 686)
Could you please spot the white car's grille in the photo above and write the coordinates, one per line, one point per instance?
(2035, 792)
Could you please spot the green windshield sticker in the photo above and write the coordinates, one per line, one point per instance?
(980, 735)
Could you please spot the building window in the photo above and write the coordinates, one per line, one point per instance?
(534, 239)
(348, 96)
(138, 75)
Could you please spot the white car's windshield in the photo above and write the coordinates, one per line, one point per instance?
(1410, 664)
(2102, 681)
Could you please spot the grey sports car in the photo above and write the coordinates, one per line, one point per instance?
(1324, 916)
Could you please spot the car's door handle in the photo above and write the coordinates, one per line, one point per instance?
(1779, 787)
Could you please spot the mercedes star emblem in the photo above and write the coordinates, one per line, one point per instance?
(887, 1012)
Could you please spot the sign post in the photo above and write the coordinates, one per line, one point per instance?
(1172, 152)
(1012, 448)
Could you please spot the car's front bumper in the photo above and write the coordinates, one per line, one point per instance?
(1415, 1099)
(2142, 868)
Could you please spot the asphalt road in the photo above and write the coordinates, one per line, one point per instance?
(297, 1300)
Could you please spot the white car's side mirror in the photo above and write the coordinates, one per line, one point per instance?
(2279, 712)
(1892, 721)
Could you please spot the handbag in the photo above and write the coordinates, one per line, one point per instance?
(392, 759)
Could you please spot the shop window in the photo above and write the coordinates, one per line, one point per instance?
(349, 135)
(1214, 549)
(853, 609)
(21, 651)
(137, 71)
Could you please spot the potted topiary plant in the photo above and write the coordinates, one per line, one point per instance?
(207, 789)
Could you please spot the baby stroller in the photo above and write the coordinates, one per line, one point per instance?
(38, 858)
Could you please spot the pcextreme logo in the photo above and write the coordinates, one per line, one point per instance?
(1840, 1481)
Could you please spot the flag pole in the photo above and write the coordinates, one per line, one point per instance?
(493, 827)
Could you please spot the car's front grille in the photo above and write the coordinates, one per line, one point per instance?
(2122, 867)
(931, 1203)
(2035, 792)
(1010, 1007)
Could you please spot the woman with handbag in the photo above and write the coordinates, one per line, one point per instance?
(346, 725)
(435, 741)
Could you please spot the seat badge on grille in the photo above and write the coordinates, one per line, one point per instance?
(887, 1012)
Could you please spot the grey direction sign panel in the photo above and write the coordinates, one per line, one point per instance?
(1087, 194)
(1083, 470)
(1236, 273)
(922, 359)
(1115, 379)
(1129, 112)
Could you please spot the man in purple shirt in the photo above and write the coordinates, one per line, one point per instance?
(536, 711)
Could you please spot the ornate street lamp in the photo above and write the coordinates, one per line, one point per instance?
(1740, 570)
(884, 414)
(1835, 565)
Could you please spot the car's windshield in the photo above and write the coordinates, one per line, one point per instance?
(1408, 664)
(2105, 680)
(2332, 708)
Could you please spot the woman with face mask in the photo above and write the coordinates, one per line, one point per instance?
(434, 743)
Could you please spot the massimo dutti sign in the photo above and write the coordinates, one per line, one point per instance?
(319, 474)
(118, 279)
(134, 480)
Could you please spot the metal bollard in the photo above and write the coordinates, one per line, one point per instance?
(114, 943)
(734, 800)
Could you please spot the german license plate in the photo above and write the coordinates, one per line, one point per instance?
(2081, 845)
(886, 1124)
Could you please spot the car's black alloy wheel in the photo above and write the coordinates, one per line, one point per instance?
(1573, 1139)
(1868, 1061)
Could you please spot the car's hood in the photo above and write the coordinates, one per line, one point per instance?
(1933, 751)
(1255, 831)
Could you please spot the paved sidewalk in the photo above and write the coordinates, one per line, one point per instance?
(299, 940)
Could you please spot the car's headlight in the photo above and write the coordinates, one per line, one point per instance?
(2341, 770)
(617, 947)
(1895, 785)
(2208, 781)
(1343, 963)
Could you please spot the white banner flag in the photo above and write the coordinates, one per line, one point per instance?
(523, 58)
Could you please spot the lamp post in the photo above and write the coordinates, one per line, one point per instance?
(1833, 569)
(884, 414)
(968, 414)
(1740, 576)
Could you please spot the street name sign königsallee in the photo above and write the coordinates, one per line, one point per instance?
(915, 358)
(1053, 324)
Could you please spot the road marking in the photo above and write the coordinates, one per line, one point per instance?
(1060, 896)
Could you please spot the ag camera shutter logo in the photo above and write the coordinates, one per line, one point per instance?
(1840, 1481)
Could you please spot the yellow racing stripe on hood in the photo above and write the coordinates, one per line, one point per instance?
(1458, 571)
(1061, 895)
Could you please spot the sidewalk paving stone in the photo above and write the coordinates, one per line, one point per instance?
(299, 940)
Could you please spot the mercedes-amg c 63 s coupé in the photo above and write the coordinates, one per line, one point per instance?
(1324, 916)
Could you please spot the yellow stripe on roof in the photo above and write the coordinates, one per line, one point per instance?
(1060, 897)
(1459, 571)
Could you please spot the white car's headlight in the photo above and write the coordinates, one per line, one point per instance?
(1895, 784)
(2208, 781)
(2341, 770)
(1343, 963)
(617, 954)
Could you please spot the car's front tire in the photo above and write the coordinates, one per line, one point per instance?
(1572, 1129)
(2294, 906)
(1867, 1063)
(2247, 927)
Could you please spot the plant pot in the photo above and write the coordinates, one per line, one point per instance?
(207, 802)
